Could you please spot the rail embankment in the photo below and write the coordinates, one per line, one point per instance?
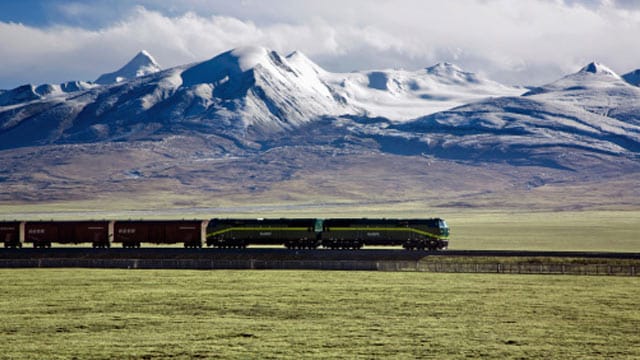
(557, 266)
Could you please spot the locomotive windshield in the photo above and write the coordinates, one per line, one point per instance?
(444, 228)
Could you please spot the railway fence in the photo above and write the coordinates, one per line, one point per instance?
(362, 265)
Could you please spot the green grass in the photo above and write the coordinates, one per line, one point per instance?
(115, 314)
(560, 231)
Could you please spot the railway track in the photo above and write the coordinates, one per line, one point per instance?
(285, 254)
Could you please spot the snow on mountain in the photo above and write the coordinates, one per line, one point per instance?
(258, 87)
(593, 76)
(247, 91)
(402, 95)
(142, 64)
(28, 93)
(18, 95)
(50, 90)
(596, 89)
(511, 126)
(592, 110)
(633, 77)
(253, 97)
(73, 86)
(597, 68)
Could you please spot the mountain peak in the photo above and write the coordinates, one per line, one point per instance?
(143, 58)
(142, 64)
(444, 68)
(224, 66)
(250, 56)
(633, 77)
(597, 68)
(452, 73)
(592, 78)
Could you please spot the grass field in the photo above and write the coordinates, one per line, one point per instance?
(561, 231)
(119, 314)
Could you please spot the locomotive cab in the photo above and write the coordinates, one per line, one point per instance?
(444, 228)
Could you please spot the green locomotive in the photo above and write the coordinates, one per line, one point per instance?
(309, 233)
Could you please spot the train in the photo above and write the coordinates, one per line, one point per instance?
(293, 233)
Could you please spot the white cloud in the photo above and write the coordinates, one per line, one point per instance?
(515, 42)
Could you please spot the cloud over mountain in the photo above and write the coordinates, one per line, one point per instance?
(517, 43)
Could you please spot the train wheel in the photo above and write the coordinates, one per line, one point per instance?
(433, 245)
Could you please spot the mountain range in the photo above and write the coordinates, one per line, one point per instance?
(251, 124)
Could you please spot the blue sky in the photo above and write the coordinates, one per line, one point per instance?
(516, 42)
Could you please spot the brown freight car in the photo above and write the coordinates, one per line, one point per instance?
(131, 233)
(10, 234)
(44, 233)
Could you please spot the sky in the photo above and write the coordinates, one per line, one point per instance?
(515, 42)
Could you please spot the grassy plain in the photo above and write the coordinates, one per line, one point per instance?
(561, 231)
(120, 314)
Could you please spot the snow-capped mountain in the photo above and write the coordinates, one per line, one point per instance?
(244, 92)
(254, 119)
(254, 89)
(142, 64)
(26, 93)
(401, 95)
(592, 110)
(596, 89)
(253, 94)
